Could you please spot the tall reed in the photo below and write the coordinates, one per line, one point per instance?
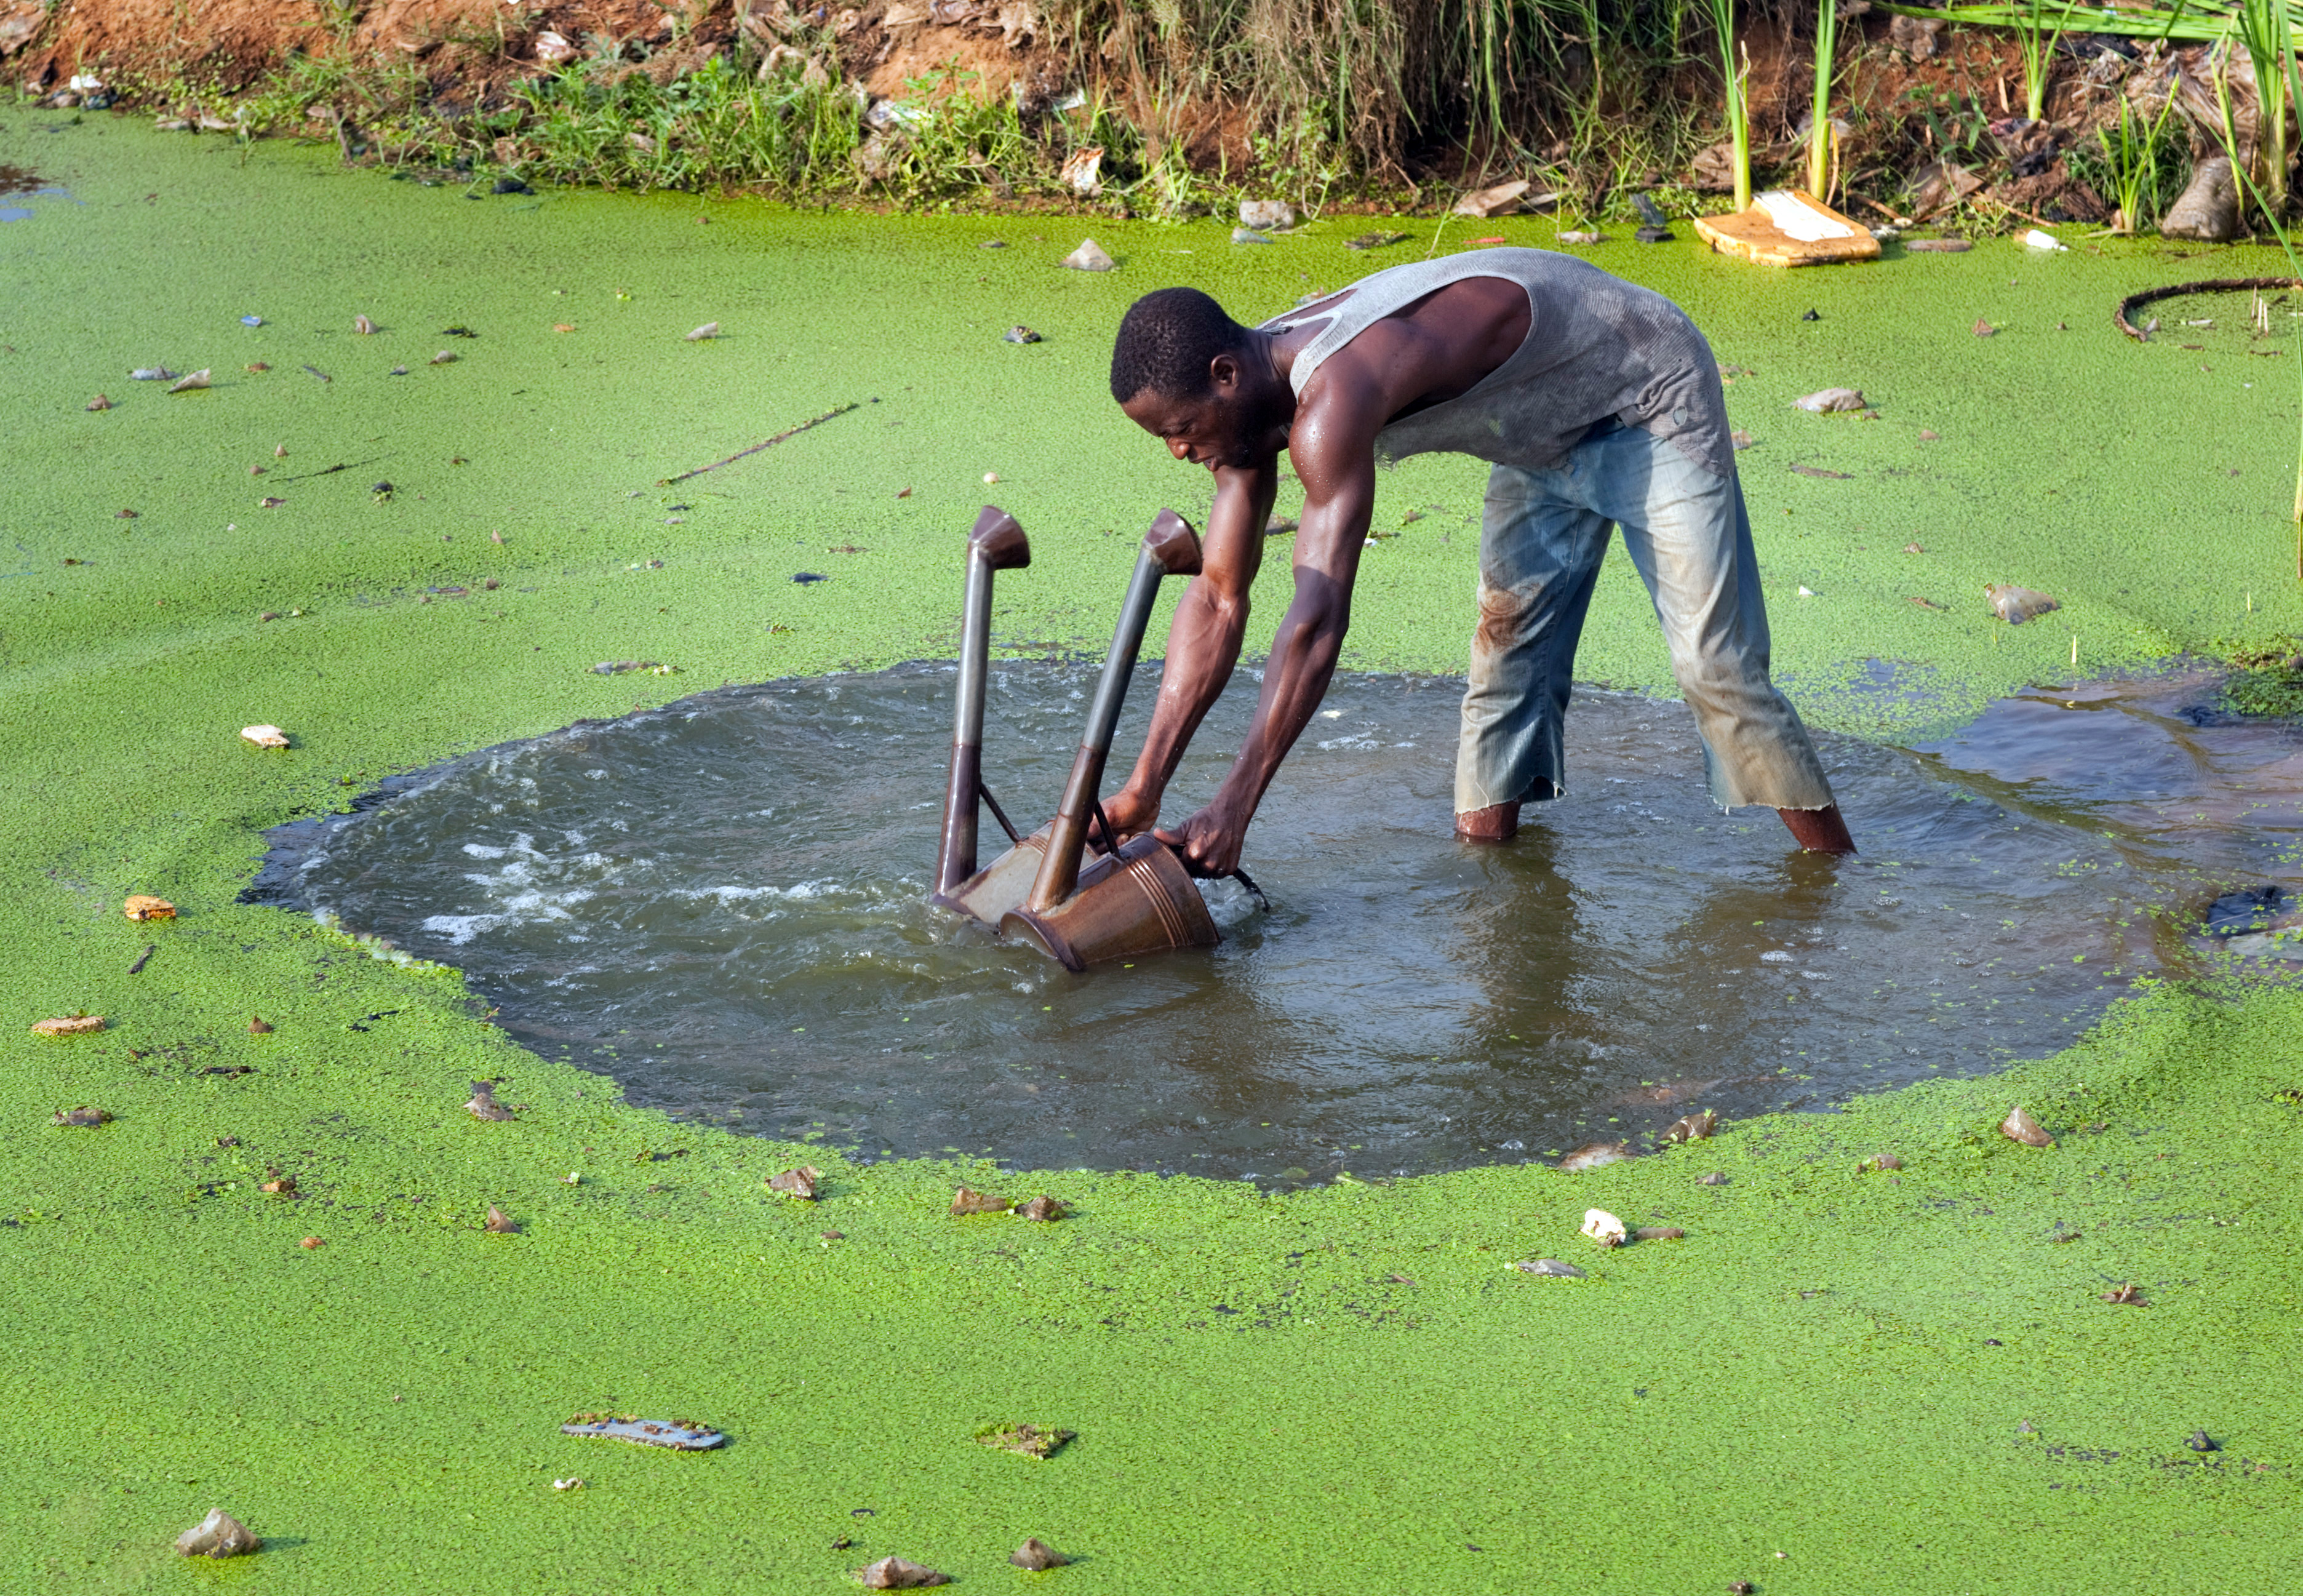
(1819, 134)
(2267, 33)
(1736, 93)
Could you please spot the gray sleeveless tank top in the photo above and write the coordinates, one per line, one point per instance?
(1597, 348)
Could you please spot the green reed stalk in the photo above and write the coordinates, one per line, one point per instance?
(1737, 93)
(1819, 133)
(2036, 41)
(2267, 33)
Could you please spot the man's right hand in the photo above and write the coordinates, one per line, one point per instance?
(1131, 812)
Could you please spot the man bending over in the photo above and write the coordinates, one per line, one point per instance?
(1595, 402)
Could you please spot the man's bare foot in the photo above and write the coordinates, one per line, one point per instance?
(1497, 823)
(1819, 830)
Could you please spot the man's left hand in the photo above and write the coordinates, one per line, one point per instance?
(1209, 840)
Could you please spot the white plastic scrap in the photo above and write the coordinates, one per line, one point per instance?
(2037, 239)
(1605, 1228)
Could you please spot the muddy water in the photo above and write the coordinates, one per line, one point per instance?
(719, 905)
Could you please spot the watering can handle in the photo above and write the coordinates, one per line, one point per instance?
(1234, 873)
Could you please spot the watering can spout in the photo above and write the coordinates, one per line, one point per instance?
(995, 544)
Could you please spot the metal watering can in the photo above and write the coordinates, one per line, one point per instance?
(1077, 893)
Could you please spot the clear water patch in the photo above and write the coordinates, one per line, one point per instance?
(722, 905)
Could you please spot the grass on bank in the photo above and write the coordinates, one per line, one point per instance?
(1397, 101)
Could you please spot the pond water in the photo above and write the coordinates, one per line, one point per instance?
(721, 904)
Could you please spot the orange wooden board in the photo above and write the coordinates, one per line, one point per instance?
(1754, 235)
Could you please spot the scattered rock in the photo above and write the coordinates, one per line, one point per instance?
(279, 1186)
(1984, 329)
(1691, 1127)
(1036, 1554)
(258, 368)
(1811, 314)
(218, 1535)
(1042, 1209)
(1604, 1227)
(1551, 1267)
(2126, 1292)
(69, 1025)
(1938, 246)
(362, 325)
(143, 906)
(2208, 209)
(1652, 234)
(500, 1223)
(1825, 402)
(1574, 235)
(1878, 1162)
(512, 185)
(681, 1435)
(265, 736)
(1019, 334)
(625, 667)
(1088, 257)
(1032, 1440)
(2019, 1127)
(1744, 1587)
(2234, 914)
(1592, 1154)
(2199, 1442)
(259, 1026)
(553, 50)
(965, 1202)
(1658, 1233)
(1742, 440)
(992, 244)
(99, 403)
(797, 1183)
(484, 1104)
(1375, 240)
(894, 1574)
(1716, 1178)
(311, 1243)
(446, 357)
(1503, 199)
(705, 334)
(806, 577)
(269, 502)
(2015, 605)
(191, 385)
(151, 373)
(1265, 214)
(84, 1116)
(1918, 38)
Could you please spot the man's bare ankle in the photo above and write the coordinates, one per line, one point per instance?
(1497, 823)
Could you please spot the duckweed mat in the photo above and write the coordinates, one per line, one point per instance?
(1836, 1380)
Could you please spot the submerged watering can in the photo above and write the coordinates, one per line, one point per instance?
(1123, 902)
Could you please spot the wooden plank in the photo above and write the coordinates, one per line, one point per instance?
(1754, 235)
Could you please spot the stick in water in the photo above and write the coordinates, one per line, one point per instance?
(838, 410)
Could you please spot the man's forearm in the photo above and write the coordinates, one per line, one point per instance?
(1203, 648)
(1304, 655)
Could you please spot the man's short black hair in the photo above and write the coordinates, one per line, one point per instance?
(1166, 342)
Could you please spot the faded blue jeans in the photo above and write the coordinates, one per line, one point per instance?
(1685, 529)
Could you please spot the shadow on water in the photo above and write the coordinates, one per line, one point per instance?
(720, 904)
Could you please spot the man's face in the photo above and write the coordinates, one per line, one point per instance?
(1217, 429)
